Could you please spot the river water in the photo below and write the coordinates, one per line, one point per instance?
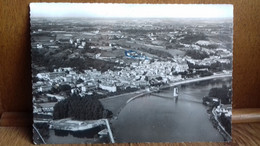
(159, 118)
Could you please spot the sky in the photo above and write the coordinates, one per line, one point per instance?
(131, 10)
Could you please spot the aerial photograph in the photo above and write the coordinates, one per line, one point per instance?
(131, 73)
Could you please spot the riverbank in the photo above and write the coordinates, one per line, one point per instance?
(217, 124)
(116, 103)
(154, 118)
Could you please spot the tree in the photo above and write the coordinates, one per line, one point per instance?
(35, 79)
(146, 78)
(192, 38)
(43, 129)
(80, 108)
(225, 122)
(220, 93)
(79, 81)
(65, 87)
(159, 78)
(196, 54)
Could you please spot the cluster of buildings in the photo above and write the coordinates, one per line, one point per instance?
(225, 109)
(208, 61)
(137, 75)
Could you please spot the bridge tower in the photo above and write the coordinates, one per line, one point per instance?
(176, 92)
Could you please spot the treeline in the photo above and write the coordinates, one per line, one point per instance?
(196, 54)
(210, 46)
(192, 38)
(146, 31)
(215, 67)
(159, 53)
(80, 108)
(51, 62)
(223, 93)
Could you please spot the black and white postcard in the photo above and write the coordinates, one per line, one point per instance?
(120, 73)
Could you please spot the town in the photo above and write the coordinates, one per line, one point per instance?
(105, 58)
(163, 64)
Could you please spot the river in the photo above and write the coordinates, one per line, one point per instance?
(159, 118)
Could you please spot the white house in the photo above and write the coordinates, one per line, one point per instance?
(110, 88)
